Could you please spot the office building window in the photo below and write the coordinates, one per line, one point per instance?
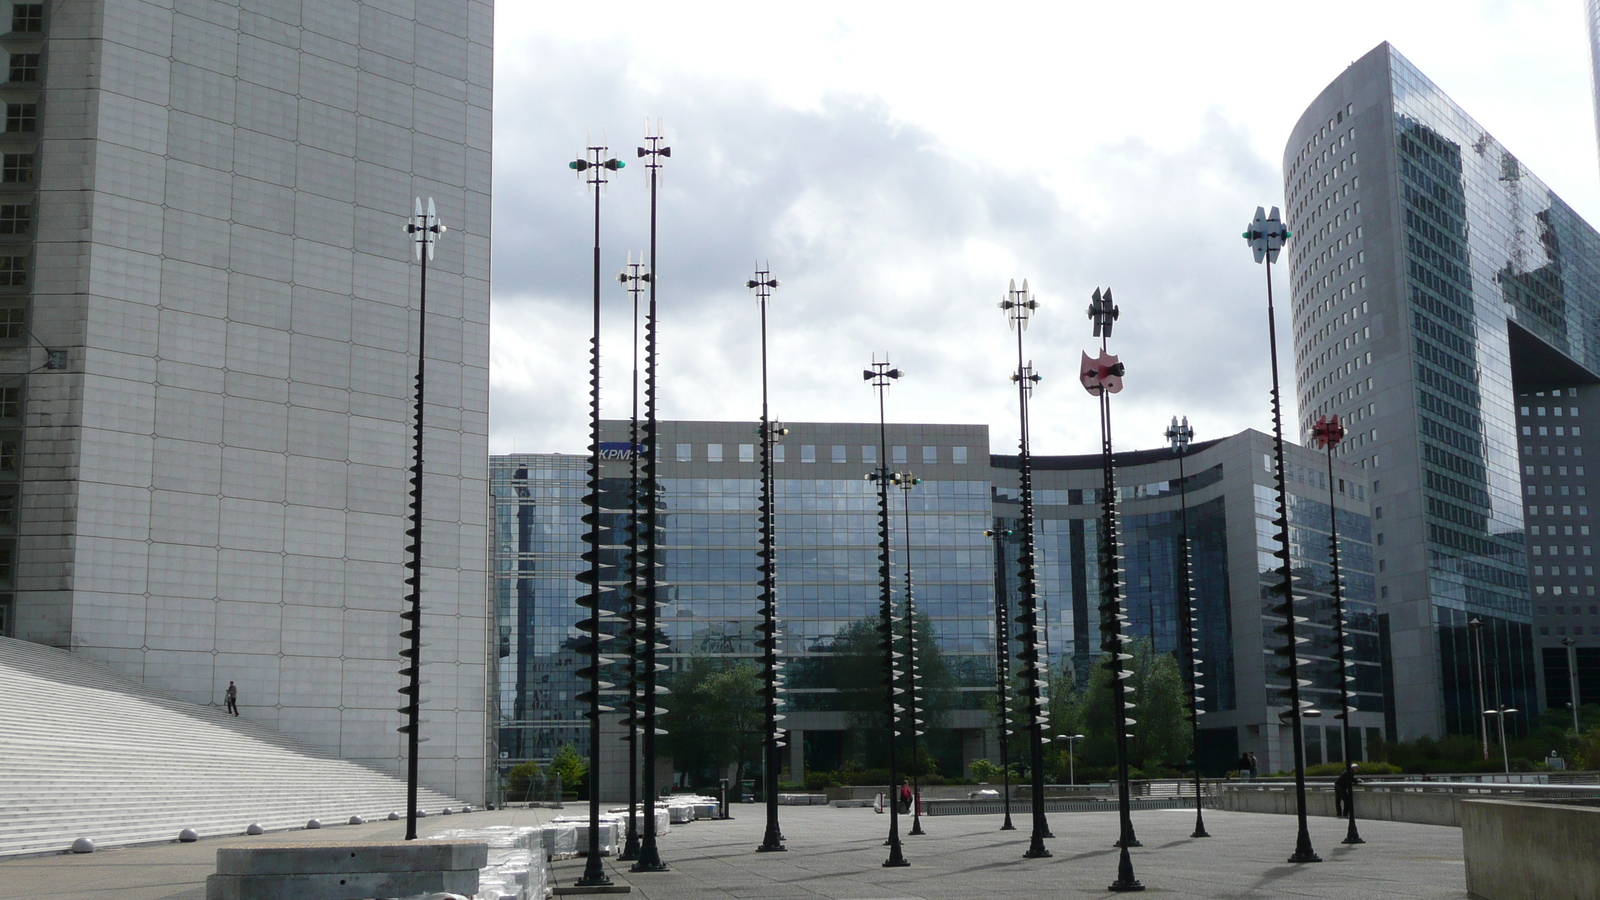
(747, 453)
(958, 455)
(685, 452)
(713, 453)
(16, 218)
(839, 454)
(13, 271)
(930, 455)
(899, 455)
(808, 453)
(10, 455)
(777, 453)
(24, 67)
(11, 402)
(12, 319)
(16, 168)
(22, 118)
(869, 454)
(27, 17)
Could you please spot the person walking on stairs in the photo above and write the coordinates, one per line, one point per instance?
(231, 698)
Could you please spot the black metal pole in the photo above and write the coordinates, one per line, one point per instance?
(1029, 620)
(1352, 836)
(1002, 659)
(1303, 853)
(906, 484)
(630, 850)
(649, 854)
(772, 839)
(1191, 660)
(880, 375)
(413, 614)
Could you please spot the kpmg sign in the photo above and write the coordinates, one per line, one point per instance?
(616, 450)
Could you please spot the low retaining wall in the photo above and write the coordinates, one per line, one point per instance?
(1422, 803)
(1025, 807)
(1531, 851)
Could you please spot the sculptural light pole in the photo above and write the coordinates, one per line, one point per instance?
(1266, 235)
(881, 376)
(906, 481)
(1002, 664)
(1180, 436)
(1101, 377)
(772, 684)
(1018, 306)
(634, 278)
(650, 632)
(596, 163)
(425, 229)
(1328, 434)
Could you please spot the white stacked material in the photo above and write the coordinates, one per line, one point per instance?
(664, 819)
(89, 753)
(679, 814)
(704, 810)
(610, 827)
(516, 868)
(559, 840)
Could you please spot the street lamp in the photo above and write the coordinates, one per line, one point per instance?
(1572, 680)
(906, 481)
(1072, 756)
(597, 164)
(1266, 235)
(633, 279)
(1500, 711)
(1480, 697)
(425, 229)
(773, 742)
(650, 635)
(880, 375)
(1101, 377)
(1002, 664)
(1180, 436)
(1327, 434)
(1018, 306)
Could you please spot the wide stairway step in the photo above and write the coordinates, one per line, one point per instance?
(90, 753)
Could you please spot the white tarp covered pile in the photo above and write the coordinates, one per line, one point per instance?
(664, 818)
(610, 828)
(560, 840)
(516, 869)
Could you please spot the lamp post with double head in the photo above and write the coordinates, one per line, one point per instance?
(596, 163)
(1181, 436)
(1072, 757)
(1266, 235)
(1480, 698)
(425, 229)
(906, 481)
(772, 683)
(1018, 307)
(1572, 681)
(880, 376)
(634, 278)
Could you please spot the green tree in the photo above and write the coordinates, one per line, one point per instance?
(569, 765)
(520, 780)
(1161, 736)
(717, 718)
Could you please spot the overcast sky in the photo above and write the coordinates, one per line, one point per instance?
(898, 165)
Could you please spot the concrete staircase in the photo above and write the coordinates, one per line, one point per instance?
(85, 752)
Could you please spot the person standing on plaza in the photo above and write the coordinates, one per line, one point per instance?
(231, 699)
(1255, 767)
(1344, 790)
(905, 796)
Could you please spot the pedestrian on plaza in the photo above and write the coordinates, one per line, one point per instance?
(1244, 766)
(231, 698)
(906, 796)
(1344, 791)
(1255, 767)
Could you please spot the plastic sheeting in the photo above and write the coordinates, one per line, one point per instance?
(516, 869)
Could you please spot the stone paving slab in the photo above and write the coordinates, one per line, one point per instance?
(836, 854)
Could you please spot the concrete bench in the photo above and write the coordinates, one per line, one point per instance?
(346, 871)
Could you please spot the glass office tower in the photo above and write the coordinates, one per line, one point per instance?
(1434, 279)
(828, 577)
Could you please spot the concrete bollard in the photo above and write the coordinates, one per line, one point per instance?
(314, 823)
(83, 845)
(394, 817)
(357, 820)
(188, 836)
(254, 828)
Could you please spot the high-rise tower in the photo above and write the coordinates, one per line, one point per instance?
(1435, 279)
(208, 334)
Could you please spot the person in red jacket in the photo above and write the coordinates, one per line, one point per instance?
(905, 796)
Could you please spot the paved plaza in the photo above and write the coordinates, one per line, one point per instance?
(836, 854)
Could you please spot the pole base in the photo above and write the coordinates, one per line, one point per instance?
(1200, 832)
(649, 860)
(895, 860)
(1036, 850)
(916, 827)
(1305, 856)
(771, 848)
(1136, 843)
(1121, 887)
(1008, 826)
